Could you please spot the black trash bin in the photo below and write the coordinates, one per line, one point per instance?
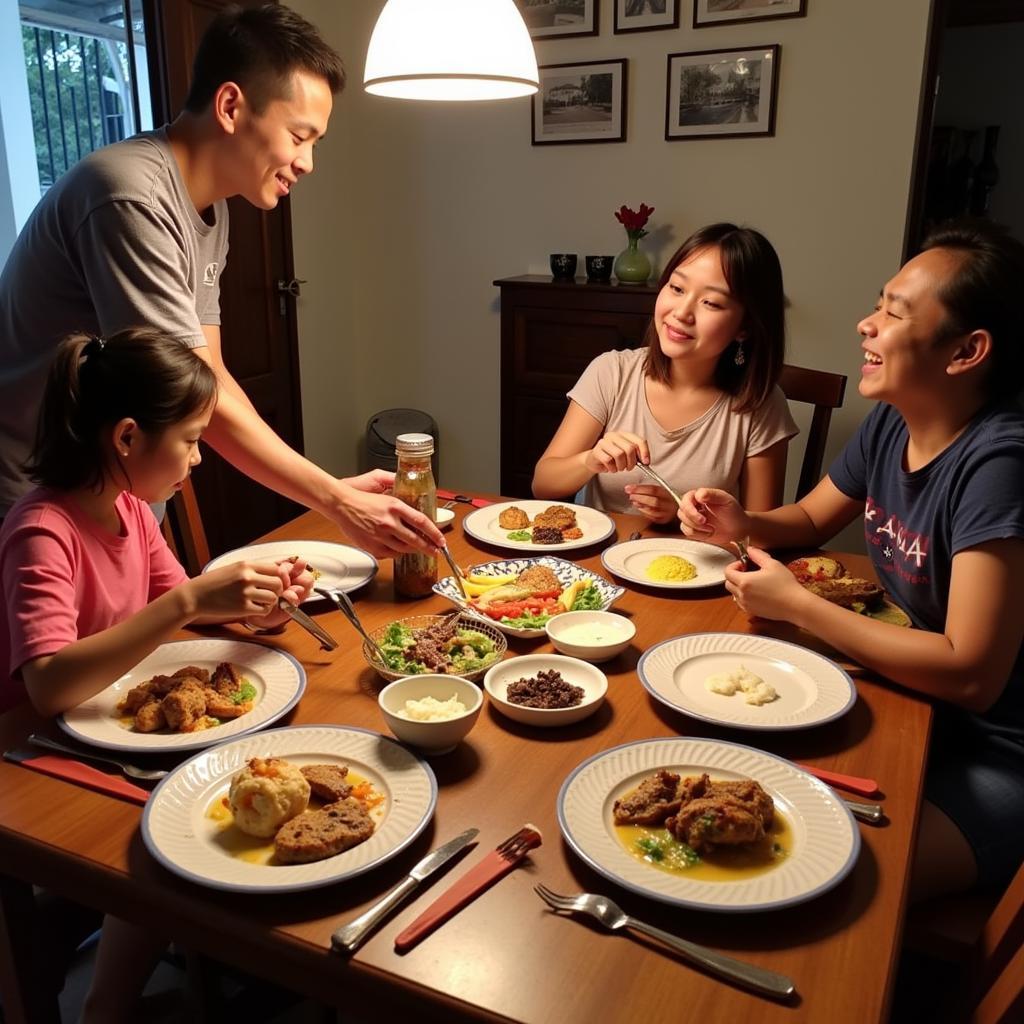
(383, 427)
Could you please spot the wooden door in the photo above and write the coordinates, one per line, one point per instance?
(258, 330)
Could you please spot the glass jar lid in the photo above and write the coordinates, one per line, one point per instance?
(414, 444)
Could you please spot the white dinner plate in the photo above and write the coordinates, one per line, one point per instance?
(179, 833)
(811, 689)
(630, 559)
(341, 567)
(482, 525)
(567, 572)
(824, 836)
(278, 678)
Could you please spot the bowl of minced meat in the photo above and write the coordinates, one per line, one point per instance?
(545, 689)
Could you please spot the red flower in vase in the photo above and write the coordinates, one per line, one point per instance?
(634, 221)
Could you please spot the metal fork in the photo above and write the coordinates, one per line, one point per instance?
(131, 770)
(613, 918)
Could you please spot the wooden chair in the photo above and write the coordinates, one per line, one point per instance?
(183, 530)
(825, 392)
(988, 943)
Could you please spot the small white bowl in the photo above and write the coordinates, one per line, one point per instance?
(609, 634)
(443, 517)
(592, 680)
(431, 737)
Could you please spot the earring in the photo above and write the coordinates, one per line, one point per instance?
(739, 359)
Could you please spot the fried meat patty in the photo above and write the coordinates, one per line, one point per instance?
(328, 781)
(847, 591)
(539, 579)
(558, 516)
(315, 835)
(651, 802)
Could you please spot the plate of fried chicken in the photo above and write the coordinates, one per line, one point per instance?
(190, 694)
(707, 799)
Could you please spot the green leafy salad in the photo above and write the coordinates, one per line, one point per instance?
(466, 651)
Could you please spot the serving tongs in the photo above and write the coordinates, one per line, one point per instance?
(660, 480)
(456, 571)
(345, 606)
(326, 641)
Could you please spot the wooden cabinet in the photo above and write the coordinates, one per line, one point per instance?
(550, 331)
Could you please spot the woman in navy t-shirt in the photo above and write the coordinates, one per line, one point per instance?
(937, 473)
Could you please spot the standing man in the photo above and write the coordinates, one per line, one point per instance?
(137, 234)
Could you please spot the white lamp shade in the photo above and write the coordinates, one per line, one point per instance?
(450, 50)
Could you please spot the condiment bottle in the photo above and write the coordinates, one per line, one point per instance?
(416, 573)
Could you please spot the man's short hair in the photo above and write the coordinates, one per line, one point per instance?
(260, 48)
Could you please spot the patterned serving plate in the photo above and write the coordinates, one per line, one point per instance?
(826, 841)
(567, 573)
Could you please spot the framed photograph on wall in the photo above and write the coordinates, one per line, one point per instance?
(717, 12)
(580, 103)
(643, 15)
(549, 18)
(720, 94)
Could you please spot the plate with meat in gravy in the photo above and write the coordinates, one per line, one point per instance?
(190, 694)
(708, 825)
(289, 809)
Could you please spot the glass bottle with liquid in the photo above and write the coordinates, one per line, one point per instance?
(415, 573)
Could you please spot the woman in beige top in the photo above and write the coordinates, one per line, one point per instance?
(699, 402)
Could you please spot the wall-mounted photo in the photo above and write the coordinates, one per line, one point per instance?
(546, 18)
(580, 103)
(642, 15)
(715, 12)
(718, 94)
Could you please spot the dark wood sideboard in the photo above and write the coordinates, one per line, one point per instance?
(550, 331)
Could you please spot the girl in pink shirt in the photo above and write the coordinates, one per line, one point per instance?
(90, 587)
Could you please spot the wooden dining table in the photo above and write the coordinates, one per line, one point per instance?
(506, 956)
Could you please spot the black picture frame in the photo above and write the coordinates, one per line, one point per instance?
(699, 107)
(749, 10)
(558, 113)
(630, 19)
(554, 19)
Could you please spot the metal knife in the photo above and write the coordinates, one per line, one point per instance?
(327, 642)
(349, 937)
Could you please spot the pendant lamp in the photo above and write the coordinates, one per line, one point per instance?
(450, 50)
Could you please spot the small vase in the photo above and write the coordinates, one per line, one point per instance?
(632, 265)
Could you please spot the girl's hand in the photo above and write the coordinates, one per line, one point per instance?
(713, 516)
(297, 581)
(377, 481)
(652, 501)
(772, 592)
(617, 452)
(237, 590)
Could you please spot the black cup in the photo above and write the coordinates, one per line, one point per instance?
(563, 266)
(599, 268)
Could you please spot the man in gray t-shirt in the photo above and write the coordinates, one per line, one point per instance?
(137, 234)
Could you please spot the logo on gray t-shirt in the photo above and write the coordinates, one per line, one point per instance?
(210, 274)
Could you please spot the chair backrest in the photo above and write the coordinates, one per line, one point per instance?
(999, 960)
(183, 530)
(825, 392)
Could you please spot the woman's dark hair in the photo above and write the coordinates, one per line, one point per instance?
(983, 293)
(94, 382)
(260, 48)
(752, 270)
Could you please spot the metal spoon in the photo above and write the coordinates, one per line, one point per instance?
(131, 770)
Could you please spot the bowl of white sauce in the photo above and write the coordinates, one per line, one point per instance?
(591, 636)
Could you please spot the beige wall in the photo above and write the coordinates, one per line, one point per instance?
(417, 208)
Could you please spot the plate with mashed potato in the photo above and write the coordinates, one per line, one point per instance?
(746, 681)
(672, 563)
(289, 809)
